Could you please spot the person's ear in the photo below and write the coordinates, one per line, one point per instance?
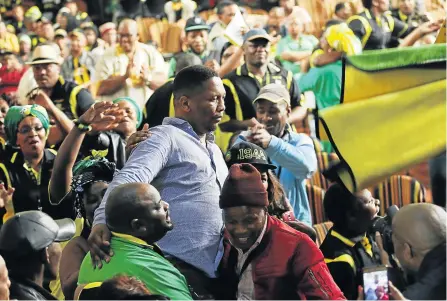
(185, 103)
(138, 226)
(288, 111)
(407, 252)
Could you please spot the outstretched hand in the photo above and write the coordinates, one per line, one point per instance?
(102, 116)
(5, 196)
(99, 245)
(136, 138)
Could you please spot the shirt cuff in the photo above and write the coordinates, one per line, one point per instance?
(273, 145)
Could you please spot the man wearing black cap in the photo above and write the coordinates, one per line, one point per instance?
(26, 241)
(264, 258)
(243, 84)
(196, 39)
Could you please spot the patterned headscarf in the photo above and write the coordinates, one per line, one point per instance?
(136, 107)
(341, 38)
(88, 171)
(17, 113)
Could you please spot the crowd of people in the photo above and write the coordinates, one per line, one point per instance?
(130, 173)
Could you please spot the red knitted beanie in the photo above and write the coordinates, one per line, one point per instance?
(243, 187)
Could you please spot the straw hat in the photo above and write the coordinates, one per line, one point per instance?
(46, 54)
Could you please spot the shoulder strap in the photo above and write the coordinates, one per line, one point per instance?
(390, 20)
(366, 25)
(73, 101)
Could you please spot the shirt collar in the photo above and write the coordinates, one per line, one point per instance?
(132, 239)
(271, 69)
(186, 126)
(402, 16)
(257, 242)
(203, 55)
(364, 240)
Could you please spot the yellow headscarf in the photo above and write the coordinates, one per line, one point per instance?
(341, 38)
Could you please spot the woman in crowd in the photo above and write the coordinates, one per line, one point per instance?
(114, 140)
(82, 185)
(29, 169)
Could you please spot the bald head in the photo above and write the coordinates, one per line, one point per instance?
(129, 24)
(137, 209)
(125, 203)
(422, 225)
(128, 35)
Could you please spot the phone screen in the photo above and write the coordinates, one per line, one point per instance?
(375, 284)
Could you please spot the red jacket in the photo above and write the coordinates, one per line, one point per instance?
(9, 80)
(286, 265)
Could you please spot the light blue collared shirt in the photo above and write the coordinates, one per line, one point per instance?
(189, 177)
(295, 159)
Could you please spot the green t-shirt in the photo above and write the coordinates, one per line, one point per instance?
(304, 43)
(325, 82)
(133, 257)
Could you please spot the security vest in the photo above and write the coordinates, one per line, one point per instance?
(378, 31)
(357, 255)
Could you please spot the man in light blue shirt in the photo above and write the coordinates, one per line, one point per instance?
(181, 160)
(292, 153)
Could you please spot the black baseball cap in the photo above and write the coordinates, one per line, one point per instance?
(196, 23)
(31, 231)
(257, 33)
(246, 152)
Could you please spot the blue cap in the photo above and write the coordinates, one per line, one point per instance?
(257, 33)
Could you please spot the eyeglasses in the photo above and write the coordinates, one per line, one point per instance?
(27, 129)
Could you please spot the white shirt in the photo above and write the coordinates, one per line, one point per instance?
(246, 286)
(115, 61)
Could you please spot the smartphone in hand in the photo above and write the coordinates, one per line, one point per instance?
(375, 283)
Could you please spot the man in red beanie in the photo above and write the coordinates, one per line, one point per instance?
(264, 258)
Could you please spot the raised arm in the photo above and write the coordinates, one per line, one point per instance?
(143, 165)
(300, 159)
(63, 165)
(62, 121)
